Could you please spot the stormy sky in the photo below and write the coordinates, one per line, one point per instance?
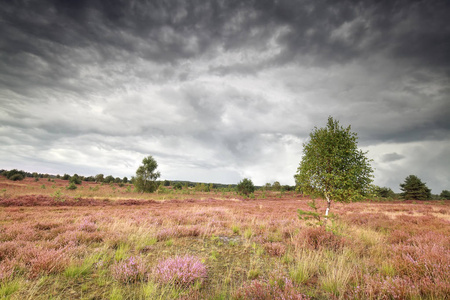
(217, 91)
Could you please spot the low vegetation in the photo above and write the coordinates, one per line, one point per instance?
(105, 241)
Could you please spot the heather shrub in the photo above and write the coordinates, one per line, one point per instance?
(178, 231)
(398, 236)
(8, 250)
(6, 269)
(90, 237)
(275, 249)
(46, 226)
(87, 225)
(180, 270)
(132, 269)
(380, 287)
(427, 265)
(377, 221)
(48, 261)
(269, 290)
(318, 238)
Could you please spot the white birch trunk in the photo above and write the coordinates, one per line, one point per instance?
(328, 209)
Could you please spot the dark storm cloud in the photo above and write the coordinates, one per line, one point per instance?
(166, 31)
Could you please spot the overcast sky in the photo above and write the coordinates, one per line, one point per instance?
(217, 91)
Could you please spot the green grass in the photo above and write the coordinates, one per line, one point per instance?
(307, 265)
(336, 274)
(122, 252)
(8, 288)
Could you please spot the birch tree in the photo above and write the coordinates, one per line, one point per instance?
(332, 166)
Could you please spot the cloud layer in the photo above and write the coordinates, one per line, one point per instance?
(221, 90)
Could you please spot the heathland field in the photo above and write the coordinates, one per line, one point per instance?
(108, 242)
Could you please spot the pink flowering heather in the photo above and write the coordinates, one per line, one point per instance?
(269, 290)
(6, 269)
(180, 270)
(47, 261)
(131, 270)
(87, 225)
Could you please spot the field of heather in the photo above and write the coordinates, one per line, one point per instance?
(107, 242)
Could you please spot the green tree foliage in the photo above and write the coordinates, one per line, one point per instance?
(245, 187)
(125, 180)
(146, 175)
(384, 192)
(276, 186)
(16, 177)
(66, 177)
(445, 194)
(75, 179)
(178, 186)
(109, 179)
(89, 179)
(414, 188)
(268, 186)
(14, 174)
(333, 167)
(202, 187)
(99, 178)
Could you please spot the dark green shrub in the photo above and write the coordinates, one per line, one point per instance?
(71, 186)
(75, 179)
(445, 195)
(245, 187)
(16, 177)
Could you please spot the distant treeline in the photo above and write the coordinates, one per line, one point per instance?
(378, 193)
(101, 178)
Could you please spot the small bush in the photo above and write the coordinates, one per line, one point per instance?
(180, 270)
(245, 187)
(71, 186)
(16, 177)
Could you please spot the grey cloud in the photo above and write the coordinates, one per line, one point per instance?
(391, 157)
